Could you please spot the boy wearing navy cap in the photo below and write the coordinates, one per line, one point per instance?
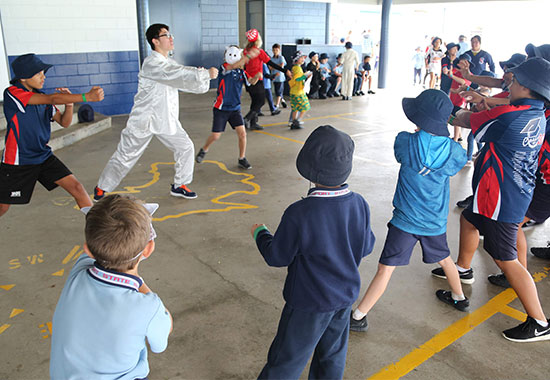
(106, 311)
(503, 183)
(428, 159)
(27, 158)
(322, 239)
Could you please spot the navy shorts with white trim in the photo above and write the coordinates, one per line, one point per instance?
(400, 244)
(235, 119)
(499, 238)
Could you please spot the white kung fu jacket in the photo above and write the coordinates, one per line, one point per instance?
(156, 104)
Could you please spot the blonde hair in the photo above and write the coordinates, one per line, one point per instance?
(117, 228)
(257, 44)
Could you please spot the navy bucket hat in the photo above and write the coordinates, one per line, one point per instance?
(429, 111)
(85, 113)
(514, 60)
(26, 66)
(542, 51)
(467, 57)
(535, 75)
(451, 45)
(326, 157)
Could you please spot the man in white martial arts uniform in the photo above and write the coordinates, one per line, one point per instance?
(350, 60)
(155, 113)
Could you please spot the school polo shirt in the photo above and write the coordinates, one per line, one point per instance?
(28, 128)
(101, 323)
(544, 155)
(230, 87)
(504, 175)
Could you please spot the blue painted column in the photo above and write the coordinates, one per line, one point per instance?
(384, 41)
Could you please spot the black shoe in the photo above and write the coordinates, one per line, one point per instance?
(465, 202)
(260, 114)
(283, 103)
(361, 93)
(200, 156)
(358, 325)
(330, 95)
(540, 252)
(322, 96)
(446, 296)
(344, 97)
(296, 125)
(459, 139)
(528, 331)
(244, 164)
(276, 111)
(530, 223)
(499, 280)
(371, 92)
(465, 277)
(256, 127)
(355, 94)
(182, 191)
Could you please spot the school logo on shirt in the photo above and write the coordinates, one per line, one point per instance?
(534, 133)
(16, 194)
(481, 60)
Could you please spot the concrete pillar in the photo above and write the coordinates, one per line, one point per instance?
(142, 7)
(384, 40)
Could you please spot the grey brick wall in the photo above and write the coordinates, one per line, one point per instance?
(289, 20)
(220, 27)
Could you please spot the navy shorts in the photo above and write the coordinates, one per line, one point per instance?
(17, 181)
(499, 238)
(539, 209)
(399, 246)
(278, 87)
(220, 119)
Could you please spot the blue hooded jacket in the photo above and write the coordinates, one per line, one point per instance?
(421, 198)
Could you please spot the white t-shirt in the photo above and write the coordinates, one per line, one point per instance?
(435, 57)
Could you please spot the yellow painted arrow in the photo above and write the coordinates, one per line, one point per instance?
(59, 273)
(15, 312)
(7, 287)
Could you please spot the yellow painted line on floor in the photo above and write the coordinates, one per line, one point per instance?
(497, 304)
(218, 200)
(71, 254)
(514, 313)
(4, 327)
(285, 123)
(16, 312)
(7, 287)
(280, 137)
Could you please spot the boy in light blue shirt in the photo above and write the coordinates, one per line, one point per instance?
(106, 312)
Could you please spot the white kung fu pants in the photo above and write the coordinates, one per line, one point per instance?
(131, 147)
(348, 75)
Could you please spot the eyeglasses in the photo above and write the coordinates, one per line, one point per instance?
(169, 35)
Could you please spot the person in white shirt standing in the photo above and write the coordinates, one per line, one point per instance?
(155, 113)
(350, 60)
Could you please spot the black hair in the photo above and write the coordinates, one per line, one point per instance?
(153, 32)
(537, 96)
(477, 37)
(435, 39)
(276, 46)
(366, 56)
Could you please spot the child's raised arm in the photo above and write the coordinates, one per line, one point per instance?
(94, 95)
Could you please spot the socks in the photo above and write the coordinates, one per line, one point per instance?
(542, 323)
(358, 315)
(460, 269)
(458, 297)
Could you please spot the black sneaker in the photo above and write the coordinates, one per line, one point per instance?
(528, 331)
(256, 127)
(446, 296)
(358, 325)
(283, 103)
(465, 277)
(200, 156)
(499, 280)
(371, 92)
(276, 111)
(465, 202)
(244, 164)
(296, 125)
(183, 192)
(530, 223)
(540, 252)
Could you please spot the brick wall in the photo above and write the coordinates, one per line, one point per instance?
(289, 20)
(90, 43)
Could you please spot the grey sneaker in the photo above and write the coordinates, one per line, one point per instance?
(244, 164)
(465, 277)
(358, 325)
(200, 156)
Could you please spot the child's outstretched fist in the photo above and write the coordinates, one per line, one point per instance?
(96, 94)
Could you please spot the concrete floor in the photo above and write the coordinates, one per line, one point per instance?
(225, 300)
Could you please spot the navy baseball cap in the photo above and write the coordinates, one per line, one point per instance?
(429, 111)
(542, 51)
(451, 45)
(467, 57)
(535, 75)
(514, 60)
(26, 66)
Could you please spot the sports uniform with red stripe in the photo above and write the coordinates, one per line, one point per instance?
(230, 87)
(28, 128)
(544, 155)
(504, 175)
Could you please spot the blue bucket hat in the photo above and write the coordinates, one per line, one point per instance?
(26, 66)
(514, 60)
(542, 51)
(429, 111)
(468, 58)
(323, 56)
(85, 113)
(326, 157)
(451, 45)
(535, 75)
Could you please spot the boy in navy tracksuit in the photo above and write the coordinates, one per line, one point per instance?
(421, 202)
(322, 239)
